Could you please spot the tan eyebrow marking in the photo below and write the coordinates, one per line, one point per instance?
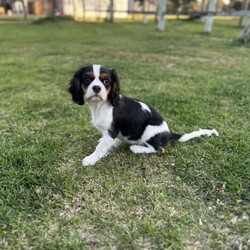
(90, 74)
(103, 76)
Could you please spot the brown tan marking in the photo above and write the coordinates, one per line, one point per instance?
(90, 74)
(103, 76)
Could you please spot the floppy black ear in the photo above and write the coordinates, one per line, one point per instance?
(76, 90)
(115, 88)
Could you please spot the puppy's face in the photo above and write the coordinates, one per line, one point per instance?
(96, 83)
(93, 84)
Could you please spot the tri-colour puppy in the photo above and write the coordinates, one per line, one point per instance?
(119, 118)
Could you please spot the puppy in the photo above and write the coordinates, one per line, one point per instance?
(120, 118)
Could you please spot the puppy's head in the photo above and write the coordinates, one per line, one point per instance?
(94, 83)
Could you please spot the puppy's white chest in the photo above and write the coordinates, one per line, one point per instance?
(102, 117)
(102, 123)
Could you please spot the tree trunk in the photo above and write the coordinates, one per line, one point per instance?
(25, 9)
(75, 9)
(144, 20)
(111, 11)
(52, 8)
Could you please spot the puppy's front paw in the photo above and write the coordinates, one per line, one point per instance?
(89, 160)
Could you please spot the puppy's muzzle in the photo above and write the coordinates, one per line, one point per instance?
(96, 89)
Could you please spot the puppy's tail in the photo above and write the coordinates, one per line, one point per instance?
(194, 134)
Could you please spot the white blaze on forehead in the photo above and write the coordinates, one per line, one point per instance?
(96, 70)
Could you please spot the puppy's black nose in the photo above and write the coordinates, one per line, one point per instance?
(96, 89)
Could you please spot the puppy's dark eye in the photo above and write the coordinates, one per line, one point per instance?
(106, 81)
(87, 79)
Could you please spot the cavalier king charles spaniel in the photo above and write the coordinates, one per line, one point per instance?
(120, 118)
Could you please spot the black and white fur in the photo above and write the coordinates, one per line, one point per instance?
(120, 118)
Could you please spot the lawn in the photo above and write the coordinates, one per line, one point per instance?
(195, 195)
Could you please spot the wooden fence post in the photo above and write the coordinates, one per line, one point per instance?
(209, 18)
(111, 16)
(144, 20)
(245, 8)
(161, 15)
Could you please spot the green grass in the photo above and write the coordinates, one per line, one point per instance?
(193, 196)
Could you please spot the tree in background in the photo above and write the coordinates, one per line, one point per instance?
(111, 11)
(25, 8)
(236, 5)
(181, 5)
(50, 8)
